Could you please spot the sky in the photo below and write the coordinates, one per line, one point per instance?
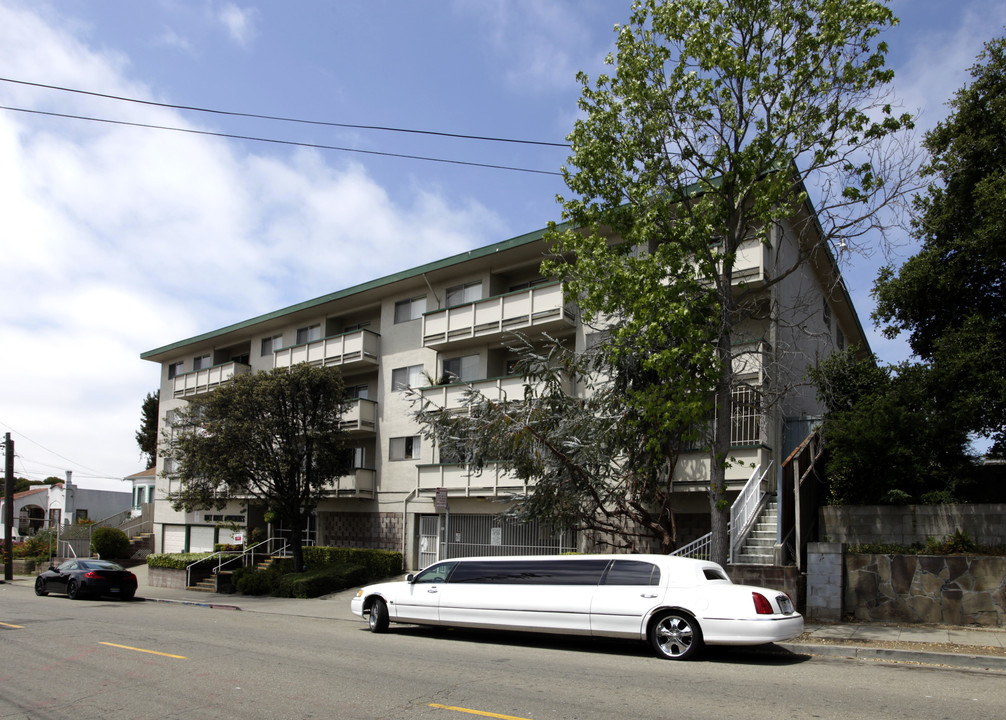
(118, 239)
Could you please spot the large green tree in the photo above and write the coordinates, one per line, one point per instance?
(718, 117)
(274, 437)
(951, 296)
(887, 437)
(146, 436)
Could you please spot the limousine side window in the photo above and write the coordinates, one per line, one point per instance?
(435, 574)
(632, 572)
(532, 572)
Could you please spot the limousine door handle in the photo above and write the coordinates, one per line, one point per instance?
(432, 590)
(648, 595)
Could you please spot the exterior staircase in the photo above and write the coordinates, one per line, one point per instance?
(759, 548)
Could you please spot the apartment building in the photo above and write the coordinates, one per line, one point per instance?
(432, 325)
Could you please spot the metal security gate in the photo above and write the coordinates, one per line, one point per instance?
(453, 536)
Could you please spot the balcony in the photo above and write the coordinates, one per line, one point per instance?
(460, 482)
(200, 382)
(352, 350)
(451, 397)
(358, 484)
(360, 417)
(542, 308)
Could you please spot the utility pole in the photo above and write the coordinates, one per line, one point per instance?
(8, 505)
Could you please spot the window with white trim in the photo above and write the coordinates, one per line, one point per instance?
(405, 448)
(308, 334)
(202, 362)
(461, 294)
(461, 369)
(411, 309)
(175, 369)
(404, 378)
(271, 344)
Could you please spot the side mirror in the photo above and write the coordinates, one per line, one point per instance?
(53, 568)
(410, 578)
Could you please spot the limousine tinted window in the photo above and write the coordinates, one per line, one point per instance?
(435, 574)
(531, 572)
(632, 572)
(714, 574)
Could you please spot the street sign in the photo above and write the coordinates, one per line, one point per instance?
(440, 501)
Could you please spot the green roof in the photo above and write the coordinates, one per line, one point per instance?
(363, 287)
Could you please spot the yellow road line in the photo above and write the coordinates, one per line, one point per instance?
(152, 652)
(476, 712)
(16, 627)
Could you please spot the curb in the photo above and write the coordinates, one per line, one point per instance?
(192, 603)
(980, 662)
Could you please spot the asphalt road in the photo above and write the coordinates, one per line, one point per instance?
(106, 659)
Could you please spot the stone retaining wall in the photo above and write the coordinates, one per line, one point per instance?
(952, 590)
(909, 524)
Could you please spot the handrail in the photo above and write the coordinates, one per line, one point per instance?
(248, 552)
(745, 509)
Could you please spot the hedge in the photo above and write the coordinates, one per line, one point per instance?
(180, 561)
(376, 563)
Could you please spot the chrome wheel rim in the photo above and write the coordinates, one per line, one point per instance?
(674, 636)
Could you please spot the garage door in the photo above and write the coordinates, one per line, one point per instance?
(173, 539)
(201, 538)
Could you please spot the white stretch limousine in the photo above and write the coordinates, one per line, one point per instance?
(678, 604)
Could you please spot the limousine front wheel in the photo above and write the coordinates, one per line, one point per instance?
(675, 636)
(378, 616)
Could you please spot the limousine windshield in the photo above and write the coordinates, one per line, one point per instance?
(677, 604)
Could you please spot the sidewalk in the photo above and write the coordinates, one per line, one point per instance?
(943, 645)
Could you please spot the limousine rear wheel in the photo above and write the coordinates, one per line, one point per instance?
(675, 636)
(378, 616)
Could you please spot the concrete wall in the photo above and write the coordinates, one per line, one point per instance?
(909, 524)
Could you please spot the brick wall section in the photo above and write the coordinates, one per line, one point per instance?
(909, 524)
(380, 531)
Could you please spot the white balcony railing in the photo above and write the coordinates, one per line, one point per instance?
(198, 382)
(352, 348)
(542, 307)
(359, 482)
(451, 397)
(360, 416)
(460, 480)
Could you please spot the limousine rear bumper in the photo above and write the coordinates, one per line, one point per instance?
(751, 631)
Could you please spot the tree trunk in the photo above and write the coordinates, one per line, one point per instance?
(297, 542)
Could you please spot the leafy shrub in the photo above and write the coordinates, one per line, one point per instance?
(36, 547)
(108, 542)
(314, 583)
(377, 563)
(257, 582)
(175, 561)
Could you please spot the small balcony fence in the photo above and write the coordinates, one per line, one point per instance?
(542, 307)
(347, 350)
(360, 416)
(461, 481)
(359, 483)
(198, 382)
(452, 396)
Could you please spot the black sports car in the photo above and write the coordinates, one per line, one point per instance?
(86, 576)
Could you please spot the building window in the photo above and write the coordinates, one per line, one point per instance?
(308, 334)
(271, 344)
(201, 363)
(175, 369)
(461, 294)
(839, 338)
(357, 392)
(461, 369)
(80, 516)
(405, 448)
(827, 314)
(411, 309)
(404, 378)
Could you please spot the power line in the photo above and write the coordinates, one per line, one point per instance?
(283, 142)
(287, 119)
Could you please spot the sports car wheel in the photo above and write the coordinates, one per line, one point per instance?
(378, 616)
(676, 636)
(73, 590)
(40, 587)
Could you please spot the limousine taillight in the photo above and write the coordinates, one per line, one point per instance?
(764, 607)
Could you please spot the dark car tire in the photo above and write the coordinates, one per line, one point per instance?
(378, 616)
(40, 587)
(675, 636)
(73, 590)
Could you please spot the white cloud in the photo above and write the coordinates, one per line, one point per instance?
(239, 23)
(118, 240)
